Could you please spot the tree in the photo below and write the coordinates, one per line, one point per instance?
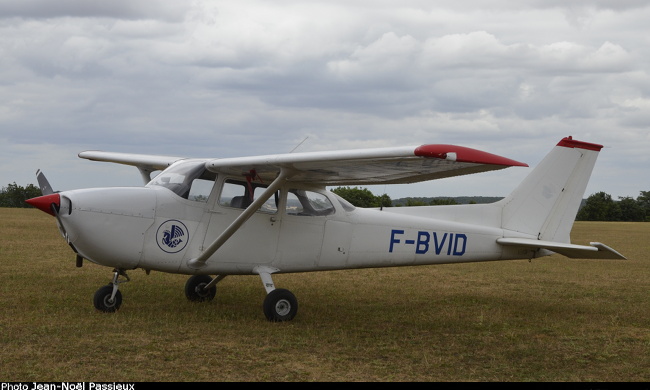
(631, 210)
(15, 196)
(362, 197)
(644, 202)
(599, 207)
(384, 200)
(443, 202)
(410, 202)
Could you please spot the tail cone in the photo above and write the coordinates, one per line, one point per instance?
(46, 202)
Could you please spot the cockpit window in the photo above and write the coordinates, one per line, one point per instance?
(189, 180)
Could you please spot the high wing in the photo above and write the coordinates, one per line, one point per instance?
(138, 160)
(393, 165)
(146, 163)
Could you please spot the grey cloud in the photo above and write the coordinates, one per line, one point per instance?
(120, 9)
(225, 79)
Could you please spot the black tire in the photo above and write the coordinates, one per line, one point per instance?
(102, 299)
(280, 305)
(195, 289)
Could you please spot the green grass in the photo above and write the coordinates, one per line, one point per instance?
(552, 319)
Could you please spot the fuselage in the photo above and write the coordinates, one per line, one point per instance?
(165, 224)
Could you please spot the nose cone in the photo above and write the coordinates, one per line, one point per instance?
(46, 202)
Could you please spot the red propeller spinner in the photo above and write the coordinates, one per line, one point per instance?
(45, 202)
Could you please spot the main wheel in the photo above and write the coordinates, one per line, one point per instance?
(280, 305)
(103, 300)
(195, 288)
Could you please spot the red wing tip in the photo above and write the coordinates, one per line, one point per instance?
(463, 154)
(569, 142)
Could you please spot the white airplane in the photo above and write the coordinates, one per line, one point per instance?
(272, 214)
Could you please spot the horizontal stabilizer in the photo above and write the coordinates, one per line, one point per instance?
(597, 250)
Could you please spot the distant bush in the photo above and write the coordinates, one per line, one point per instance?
(362, 197)
(14, 195)
(601, 207)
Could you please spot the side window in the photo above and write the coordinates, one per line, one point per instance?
(301, 202)
(202, 186)
(237, 194)
(233, 194)
(271, 204)
(347, 206)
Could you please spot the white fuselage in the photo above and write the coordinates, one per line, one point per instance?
(155, 229)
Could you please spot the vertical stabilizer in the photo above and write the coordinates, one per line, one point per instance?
(546, 203)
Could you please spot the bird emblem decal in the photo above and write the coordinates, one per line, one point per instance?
(172, 236)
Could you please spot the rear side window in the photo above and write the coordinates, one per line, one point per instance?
(308, 203)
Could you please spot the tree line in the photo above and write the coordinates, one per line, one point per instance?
(597, 207)
(601, 207)
(14, 195)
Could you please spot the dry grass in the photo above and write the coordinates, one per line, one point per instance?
(552, 319)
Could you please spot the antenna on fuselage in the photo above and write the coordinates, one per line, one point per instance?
(297, 146)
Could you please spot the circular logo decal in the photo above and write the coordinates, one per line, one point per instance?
(172, 236)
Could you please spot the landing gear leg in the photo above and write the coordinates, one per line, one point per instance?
(108, 298)
(280, 304)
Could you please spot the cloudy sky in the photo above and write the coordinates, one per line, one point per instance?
(239, 78)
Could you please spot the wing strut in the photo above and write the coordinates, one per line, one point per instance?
(199, 262)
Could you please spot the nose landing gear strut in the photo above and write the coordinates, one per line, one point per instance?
(108, 298)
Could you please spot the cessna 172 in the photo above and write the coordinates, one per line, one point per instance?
(273, 214)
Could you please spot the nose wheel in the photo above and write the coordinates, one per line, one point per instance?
(108, 299)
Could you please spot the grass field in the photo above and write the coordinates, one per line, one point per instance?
(552, 319)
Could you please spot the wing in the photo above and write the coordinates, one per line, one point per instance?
(145, 163)
(393, 165)
(137, 160)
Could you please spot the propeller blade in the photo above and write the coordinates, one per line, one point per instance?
(46, 188)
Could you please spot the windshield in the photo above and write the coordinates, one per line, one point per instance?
(183, 177)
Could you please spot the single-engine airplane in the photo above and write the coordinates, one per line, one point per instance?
(272, 214)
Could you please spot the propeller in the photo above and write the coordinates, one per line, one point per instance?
(50, 201)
